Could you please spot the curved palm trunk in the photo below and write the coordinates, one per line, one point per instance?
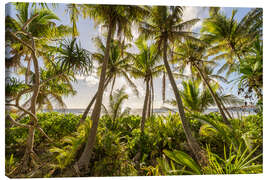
(86, 111)
(213, 95)
(196, 150)
(84, 160)
(145, 106)
(225, 109)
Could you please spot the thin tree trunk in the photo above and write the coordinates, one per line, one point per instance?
(225, 109)
(31, 132)
(196, 150)
(84, 160)
(145, 106)
(152, 100)
(86, 111)
(164, 87)
(113, 82)
(259, 94)
(149, 102)
(213, 95)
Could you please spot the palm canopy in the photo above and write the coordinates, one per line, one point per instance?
(251, 69)
(196, 98)
(166, 23)
(189, 53)
(230, 38)
(119, 61)
(37, 23)
(146, 63)
(115, 108)
(120, 17)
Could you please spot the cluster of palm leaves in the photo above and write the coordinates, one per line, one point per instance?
(166, 47)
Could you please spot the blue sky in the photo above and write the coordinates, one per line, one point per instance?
(87, 86)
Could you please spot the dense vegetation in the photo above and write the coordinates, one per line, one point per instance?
(44, 58)
(116, 145)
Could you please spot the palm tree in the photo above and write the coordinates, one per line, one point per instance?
(229, 38)
(45, 33)
(146, 65)
(199, 99)
(115, 109)
(73, 11)
(193, 54)
(165, 25)
(115, 18)
(251, 69)
(118, 65)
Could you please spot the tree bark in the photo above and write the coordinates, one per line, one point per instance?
(195, 148)
(213, 95)
(146, 98)
(84, 160)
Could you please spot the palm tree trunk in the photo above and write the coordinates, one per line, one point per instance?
(146, 98)
(225, 109)
(196, 150)
(86, 111)
(259, 94)
(164, 87)
(213, 95)
(84, 160)
(113, 82)
(152, 100)
(149, 102)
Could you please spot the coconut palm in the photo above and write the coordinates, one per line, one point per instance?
(118, 65)
(115, 109)
(118, 19)
(73, 11)
(251, 69)
(229, 38)
(46, 32)
(193, 54)
(146, 65)
(165, 25)
(198, 99)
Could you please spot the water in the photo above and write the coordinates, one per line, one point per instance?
(235, 112)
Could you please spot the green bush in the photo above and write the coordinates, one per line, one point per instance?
(56, 125)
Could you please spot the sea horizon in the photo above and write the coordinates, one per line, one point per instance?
(159, 111)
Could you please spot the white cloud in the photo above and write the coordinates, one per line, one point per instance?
(90, 80)
(191, 12)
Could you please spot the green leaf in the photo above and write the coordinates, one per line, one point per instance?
(183, 159)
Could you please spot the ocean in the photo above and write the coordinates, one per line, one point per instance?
(235, 113)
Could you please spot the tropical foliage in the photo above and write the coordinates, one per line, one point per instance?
(148, 44)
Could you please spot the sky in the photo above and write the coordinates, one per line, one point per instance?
(86, 86)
